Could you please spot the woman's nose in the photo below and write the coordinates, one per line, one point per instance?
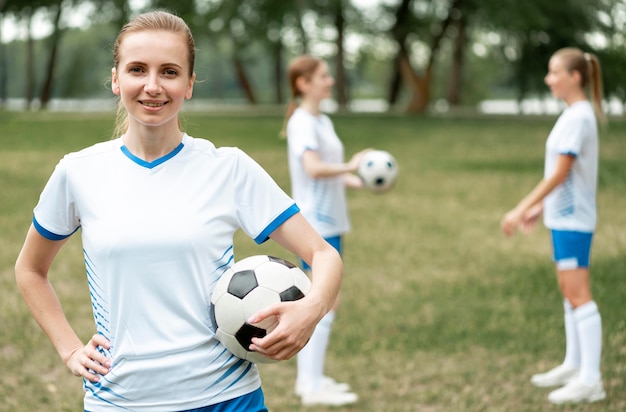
(152, 85)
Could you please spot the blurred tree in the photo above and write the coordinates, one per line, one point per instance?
(527, 31)
(55, 8)
(408, 21)
(234, 21)
(332, 13)
(26, 15)
(534, 29)
(247, 23)
(430, 49)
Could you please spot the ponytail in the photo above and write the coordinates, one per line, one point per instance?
(595, 84)
(291, 107)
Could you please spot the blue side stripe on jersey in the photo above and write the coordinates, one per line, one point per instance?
(225, 253)
(154, 163)
(565, 203)
(237, 365)
(48, 234)
(100, 312)
(265, 234)
(90, 387)
(226, 264)
(244, 373)
(325, 218)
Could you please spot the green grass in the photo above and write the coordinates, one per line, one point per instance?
(439, 311)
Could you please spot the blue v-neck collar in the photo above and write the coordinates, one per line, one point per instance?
(154, 163)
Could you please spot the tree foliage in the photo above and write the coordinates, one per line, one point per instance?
(412, 52)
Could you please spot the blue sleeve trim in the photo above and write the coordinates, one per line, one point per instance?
(570, 154)
(47, 234)
(265, 234)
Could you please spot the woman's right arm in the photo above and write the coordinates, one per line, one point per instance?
(315, 167)
(514, 217)
(31, 273)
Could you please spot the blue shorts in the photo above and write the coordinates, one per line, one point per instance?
(253, 402)
(335, 241)
(572, 250)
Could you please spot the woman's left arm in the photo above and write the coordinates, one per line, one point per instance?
(297, 319)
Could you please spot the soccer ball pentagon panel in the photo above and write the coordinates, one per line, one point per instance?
(378, 170)
(248, 286)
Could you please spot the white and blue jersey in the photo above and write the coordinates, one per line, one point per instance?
(156, 237)
(572, 205)
(322, 201)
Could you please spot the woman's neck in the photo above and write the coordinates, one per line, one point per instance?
(311, 106)
(151, 143)
(575, 97)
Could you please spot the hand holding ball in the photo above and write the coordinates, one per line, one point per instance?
(252, 284)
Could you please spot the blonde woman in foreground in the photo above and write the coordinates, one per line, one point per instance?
(158, 210)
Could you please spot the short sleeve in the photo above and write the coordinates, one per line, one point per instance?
(262, 206)
(301, 134)
(55, 215)
(572, 136)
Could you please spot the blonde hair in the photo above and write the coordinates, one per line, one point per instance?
(302, 66)
(158, 20)
(588, 65)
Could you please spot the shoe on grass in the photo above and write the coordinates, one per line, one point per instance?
(328, 398)
(559, 376)
(327, 383)
(577, 392)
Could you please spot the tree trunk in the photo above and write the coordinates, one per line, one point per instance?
(420, 85)
(300, 7)
(396, 82)
(46, 91)
(3, 64)
(341, 87)
(30, 61)
(278, 72)
(458, 59)
(242, 79)
(399, 32)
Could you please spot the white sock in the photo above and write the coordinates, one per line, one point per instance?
(572, 348)
(589, 327)
(311, 357)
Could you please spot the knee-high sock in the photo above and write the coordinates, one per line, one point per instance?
(311, 358)
(572, 348)
(589, 328)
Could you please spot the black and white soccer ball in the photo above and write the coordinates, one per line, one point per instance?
(378, 170)
(252, 284)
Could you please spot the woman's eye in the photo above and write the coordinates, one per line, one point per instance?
(135, 70)
(171, 72)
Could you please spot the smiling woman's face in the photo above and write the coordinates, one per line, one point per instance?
(152, 76)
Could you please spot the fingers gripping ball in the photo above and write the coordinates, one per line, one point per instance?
(252, 284)
(378, 170)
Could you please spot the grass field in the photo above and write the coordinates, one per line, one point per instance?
(440, 312)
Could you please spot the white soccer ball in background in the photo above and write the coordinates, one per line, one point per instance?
(252, 284)
(378, 170)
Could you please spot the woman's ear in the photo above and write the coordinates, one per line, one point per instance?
(302, 84)
(189, 92)
(115, 86)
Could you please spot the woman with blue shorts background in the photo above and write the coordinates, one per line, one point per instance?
(319, 177)
(567, 199)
